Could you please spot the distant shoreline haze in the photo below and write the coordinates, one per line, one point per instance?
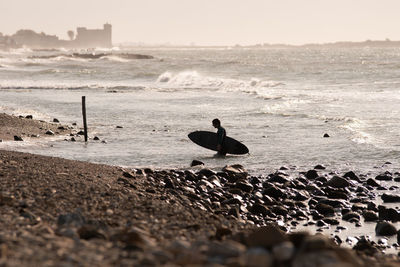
(83, 38)
(102, 38)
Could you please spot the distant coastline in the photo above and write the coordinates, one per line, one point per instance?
(83, 38)
(339, 44)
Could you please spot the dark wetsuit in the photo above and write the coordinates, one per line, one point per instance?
(221, 135)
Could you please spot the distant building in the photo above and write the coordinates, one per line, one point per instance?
(7, 43)
(32, 39)
(86, 38)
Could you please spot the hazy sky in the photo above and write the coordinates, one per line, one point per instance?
(213, 22)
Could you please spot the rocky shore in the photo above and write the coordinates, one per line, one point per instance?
(58, 212)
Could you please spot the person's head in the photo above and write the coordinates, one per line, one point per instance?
(216, 123)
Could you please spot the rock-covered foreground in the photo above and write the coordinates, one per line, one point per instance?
(57, 212)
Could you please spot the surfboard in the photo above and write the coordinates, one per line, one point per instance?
(209, 140)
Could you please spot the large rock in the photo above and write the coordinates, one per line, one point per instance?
(388, 198)
(325, 209)
(259, 209)
(350, 216)
(196, 163)
(71, 220)
(385, 228)
(267, 237)
(311, 174)
(388, 214)
(257, 257)
(370, 216)
(338, 182)
(274, 192)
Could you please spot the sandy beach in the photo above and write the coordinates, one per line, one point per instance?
(58, 212)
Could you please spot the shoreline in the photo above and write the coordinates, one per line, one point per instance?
(64, 211)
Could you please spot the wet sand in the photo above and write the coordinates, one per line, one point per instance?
(58, 212)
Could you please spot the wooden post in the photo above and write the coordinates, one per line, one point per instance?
(84, 117)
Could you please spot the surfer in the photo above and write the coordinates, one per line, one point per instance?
(221, 134)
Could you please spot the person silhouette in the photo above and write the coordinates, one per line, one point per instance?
(221, 136)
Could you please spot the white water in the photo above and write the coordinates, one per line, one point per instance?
(279, 102)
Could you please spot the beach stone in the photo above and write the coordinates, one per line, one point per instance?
(319, 167)
(311, 174)
(350, 215)
(196, 163)
(279, 210)
(372, 182)
(244, 186)
(388, 198)
(326, 135)
(80, 133)
(388, 214)
(352, 176)
(18, 138)
(235, 172)
(338, 182)
(56, 120)
(385, 228)
(225, 249)
(266, 236)
(257, 257)
(370, 216)
(316, 242)
(71, 219)
(325, 209)
(133, 239)
(206, 172)
(277, 179)
(365, 246)
(398, 237)
(96, 138)
(128, 174)
(274, 192)
(222, 231)
(68, 232)
(331, 221)
(301, 196)
(30, 117)
(283, 251)
(89, 232)
(384, 177)
(259, 209)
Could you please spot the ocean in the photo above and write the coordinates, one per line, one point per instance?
(278, 101)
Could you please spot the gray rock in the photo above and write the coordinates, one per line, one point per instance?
(49, 132)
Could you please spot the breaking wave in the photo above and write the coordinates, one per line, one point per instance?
(193, 79)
